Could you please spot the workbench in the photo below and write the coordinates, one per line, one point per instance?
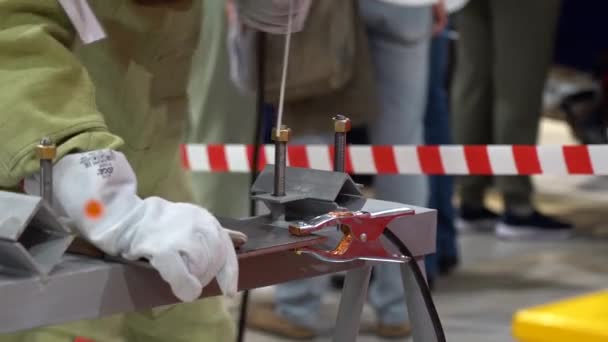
(86, 288)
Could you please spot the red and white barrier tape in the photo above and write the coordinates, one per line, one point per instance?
(411, 160)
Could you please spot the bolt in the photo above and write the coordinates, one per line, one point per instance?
(47, 152)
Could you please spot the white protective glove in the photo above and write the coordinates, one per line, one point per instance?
(184, 242)
(272, 15)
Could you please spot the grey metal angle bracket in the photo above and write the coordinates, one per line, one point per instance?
(32, 238)
(308, 192)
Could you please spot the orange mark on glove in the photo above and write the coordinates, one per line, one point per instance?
(82, 339)
(93, 209)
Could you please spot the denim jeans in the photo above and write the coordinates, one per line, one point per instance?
(437, 132)
(399, 39)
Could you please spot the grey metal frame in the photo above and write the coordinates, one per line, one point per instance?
(83, 288)
(32, 238)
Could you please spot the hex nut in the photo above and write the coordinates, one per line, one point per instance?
(284, 134)
(46, 152)
(342, 124)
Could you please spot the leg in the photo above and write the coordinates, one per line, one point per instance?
(472, 91)
(437, 132)
(205, 320)
(296, 304)
(524, 34)
(523, 45)
(299, 301)
(425, 322)
(399, 42)
(110, 329)
(351, 304)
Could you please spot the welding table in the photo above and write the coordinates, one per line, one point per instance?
(85, 288)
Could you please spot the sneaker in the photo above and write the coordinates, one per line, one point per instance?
(476, 219)
(387, 331)
(447, 264)
(534, 226)
(262, 317)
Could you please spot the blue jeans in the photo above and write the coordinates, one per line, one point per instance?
(437, 132)
(399, 39)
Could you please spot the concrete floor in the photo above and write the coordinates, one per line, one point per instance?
(497, 278)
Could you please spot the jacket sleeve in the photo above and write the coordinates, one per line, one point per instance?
(44, 90)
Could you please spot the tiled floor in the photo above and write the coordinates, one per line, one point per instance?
(497, 278)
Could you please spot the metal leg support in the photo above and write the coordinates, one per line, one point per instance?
(354, 295)
(425, 324)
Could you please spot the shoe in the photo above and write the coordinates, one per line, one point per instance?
(262, 317)
(387, 331)
(476, 219)
(447, 264)
(534, 226)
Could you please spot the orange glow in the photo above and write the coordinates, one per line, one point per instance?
(93, 209)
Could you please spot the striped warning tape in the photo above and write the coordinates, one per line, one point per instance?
(411, 160)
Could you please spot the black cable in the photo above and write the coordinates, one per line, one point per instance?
(257, 145)
(424, 289)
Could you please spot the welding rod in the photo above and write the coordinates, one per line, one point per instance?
(281, 138)
(47, 151)
(342, 126)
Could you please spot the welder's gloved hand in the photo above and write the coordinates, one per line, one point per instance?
(272, 15)
(184, 242)
(238, 238)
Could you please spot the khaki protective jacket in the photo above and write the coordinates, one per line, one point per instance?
(126, 92)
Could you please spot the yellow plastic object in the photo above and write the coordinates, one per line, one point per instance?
(578, 319)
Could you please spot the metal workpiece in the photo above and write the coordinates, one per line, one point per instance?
(32, 238)
(307, 183)
(47, 152)
(309, 193)
(281, 138)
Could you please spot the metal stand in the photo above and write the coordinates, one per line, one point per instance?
(425, 323)
(354, 296)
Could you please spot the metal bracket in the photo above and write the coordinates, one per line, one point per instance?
(32, 238)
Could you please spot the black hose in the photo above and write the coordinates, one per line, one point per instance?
(424, 289)
(257, 145)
